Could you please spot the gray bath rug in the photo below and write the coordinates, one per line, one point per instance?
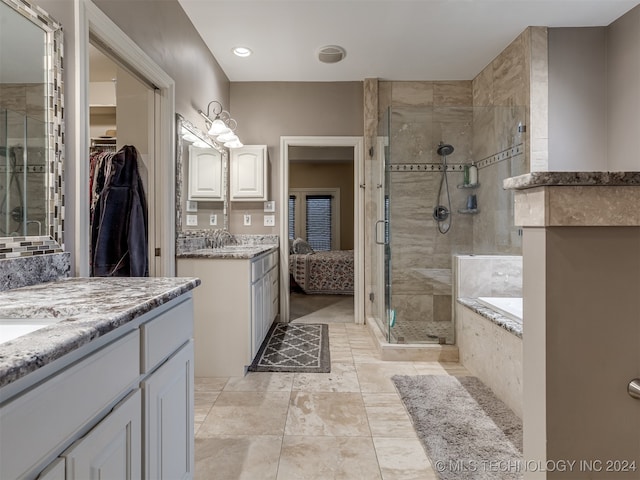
(291, 347)
(466, 431)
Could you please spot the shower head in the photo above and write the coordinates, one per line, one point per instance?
(444, 149)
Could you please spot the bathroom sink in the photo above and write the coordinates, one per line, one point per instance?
(11, 328)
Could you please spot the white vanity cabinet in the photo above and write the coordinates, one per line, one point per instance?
(113, 448)
(234, 307)
(120, 406)
(248, 173)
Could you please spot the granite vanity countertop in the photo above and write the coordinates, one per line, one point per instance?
(87, 308)
(574, 179)
(229, 252)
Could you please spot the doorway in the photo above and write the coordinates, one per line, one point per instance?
(159, 104)
(298, 154)
(122, 112)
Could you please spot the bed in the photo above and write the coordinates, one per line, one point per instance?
(321, 272)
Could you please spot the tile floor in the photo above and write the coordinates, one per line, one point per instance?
(347, 424)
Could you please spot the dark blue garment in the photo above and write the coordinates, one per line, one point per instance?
(119, 228)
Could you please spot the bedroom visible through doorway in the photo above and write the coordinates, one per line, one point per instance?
(321, 198)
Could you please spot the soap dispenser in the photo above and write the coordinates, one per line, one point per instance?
(473, 174)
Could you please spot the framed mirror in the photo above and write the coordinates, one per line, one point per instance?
(201, 180)
(31, 123)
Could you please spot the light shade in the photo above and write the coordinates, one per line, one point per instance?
(234, 144)
(218, 127)
(227, 137)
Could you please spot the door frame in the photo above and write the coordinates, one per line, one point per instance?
(95, 23)
(358, 215)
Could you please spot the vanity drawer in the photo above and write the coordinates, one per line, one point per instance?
(165, 334)
(61, 407)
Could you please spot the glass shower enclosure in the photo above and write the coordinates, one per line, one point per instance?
(411, 264)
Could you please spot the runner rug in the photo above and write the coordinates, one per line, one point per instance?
(291, 347)
(467, 432)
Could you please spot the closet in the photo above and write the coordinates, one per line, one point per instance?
(122, 115)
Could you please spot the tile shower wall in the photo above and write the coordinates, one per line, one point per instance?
(507, 93)
(422, 115)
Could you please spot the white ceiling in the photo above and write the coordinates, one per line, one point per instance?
(386, 39)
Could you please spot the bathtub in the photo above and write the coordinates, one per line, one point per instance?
(508, 306)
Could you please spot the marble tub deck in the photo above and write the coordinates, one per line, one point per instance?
(509, 324)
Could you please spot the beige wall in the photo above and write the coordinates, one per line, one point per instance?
(577, 101)
(329, 175)
(623, 93)
(166, 34)
(594, 96)
(265, 111)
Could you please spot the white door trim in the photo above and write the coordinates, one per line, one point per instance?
(91, 20)
(358, 215)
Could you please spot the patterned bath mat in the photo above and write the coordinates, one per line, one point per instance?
(467, 432)
(290, 347)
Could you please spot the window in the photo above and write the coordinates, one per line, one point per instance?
(314, 216)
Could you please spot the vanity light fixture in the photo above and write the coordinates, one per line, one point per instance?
(241, 51)
(222, 126)
(218, 125)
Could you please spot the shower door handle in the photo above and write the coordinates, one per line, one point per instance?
(383, 242)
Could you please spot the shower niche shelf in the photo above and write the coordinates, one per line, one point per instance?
(469, 185)
(469, 211)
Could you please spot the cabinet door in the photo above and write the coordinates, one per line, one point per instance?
(257, 316)
(205, 174)
(248, 173)
(113, 448)
(55, 471)
(168, 418)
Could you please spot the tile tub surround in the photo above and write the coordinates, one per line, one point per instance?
(489, 342)
(88, 308)
(491, 350)
(31, 270)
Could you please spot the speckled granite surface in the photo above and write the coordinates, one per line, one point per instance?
(505, 322)
(542, 179)
(230, 252)
(87, 308)
(189, 241)
(24, 271)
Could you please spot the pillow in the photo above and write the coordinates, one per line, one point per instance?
(301, 246)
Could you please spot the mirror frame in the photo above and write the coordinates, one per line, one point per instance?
(54, 46)
(181, 123)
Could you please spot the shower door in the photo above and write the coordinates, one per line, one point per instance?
(380, 246)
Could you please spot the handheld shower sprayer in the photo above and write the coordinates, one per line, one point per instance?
(440, 212)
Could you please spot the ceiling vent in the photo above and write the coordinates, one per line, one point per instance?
(331, 54)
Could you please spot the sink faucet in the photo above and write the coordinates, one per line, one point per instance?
(219, 238)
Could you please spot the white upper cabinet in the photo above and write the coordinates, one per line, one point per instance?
(205, 174)
(249, 173)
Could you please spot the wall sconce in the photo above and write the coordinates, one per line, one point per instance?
(222, 127)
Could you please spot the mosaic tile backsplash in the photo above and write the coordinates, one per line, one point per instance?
(12, 247)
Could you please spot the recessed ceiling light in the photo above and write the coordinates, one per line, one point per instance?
(331, 53)
(241, 51)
